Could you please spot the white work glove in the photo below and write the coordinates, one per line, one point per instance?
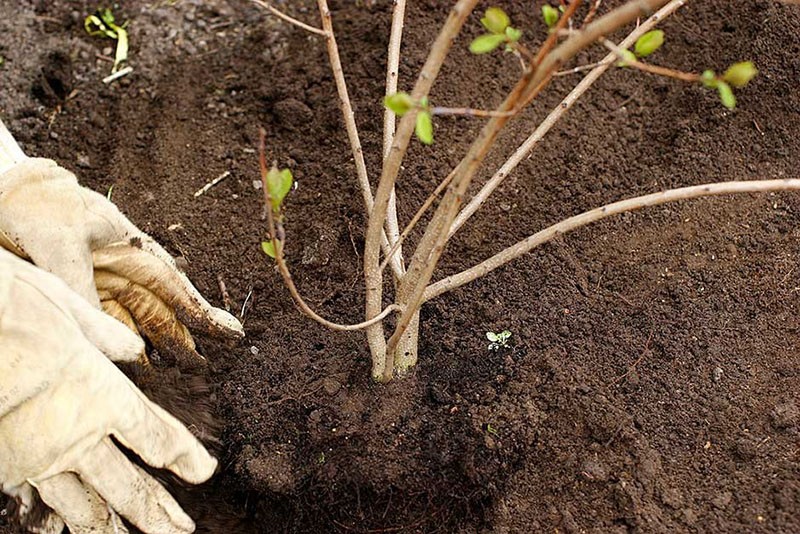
(82, 238)
(61, 400)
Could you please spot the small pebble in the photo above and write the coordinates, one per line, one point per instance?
(717, 373)
(254, 350)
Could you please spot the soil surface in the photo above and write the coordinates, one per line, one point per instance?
(651, 382)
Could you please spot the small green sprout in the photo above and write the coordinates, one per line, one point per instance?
(102, 24)
(645, 45)
(402, 103)
(726, 95)
(628, 56)
(279, 183)
(488, 42)
(500, 31)
(269, 248)
(399, 103)
(550, 15)
(424, 127)
(738, 75)
(498, 340)
(495, 20)
(648, 43)
(491, 430)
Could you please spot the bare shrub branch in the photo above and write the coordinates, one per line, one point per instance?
(575, 222)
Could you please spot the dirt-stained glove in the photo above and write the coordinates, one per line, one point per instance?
(81, 237)
(61, 402)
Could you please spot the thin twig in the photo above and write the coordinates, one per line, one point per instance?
(211, 184)
(470, 112)
(652, 69)
(390, 121)
(275, 230)
(287, 18)
(417, 216)
(223, 289)
(592, 12)
(349, 120)
(117, 75)
(577, 221)
(582, 68)
(530, 143)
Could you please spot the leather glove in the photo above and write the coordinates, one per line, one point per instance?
(61, 401)
(82, 238)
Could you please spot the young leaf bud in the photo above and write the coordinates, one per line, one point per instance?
(399, 103)
(486, 43)
(739, 74)
(495, 20)
(550, 15)
(649, 43)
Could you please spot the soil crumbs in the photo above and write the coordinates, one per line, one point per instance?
(652, 380)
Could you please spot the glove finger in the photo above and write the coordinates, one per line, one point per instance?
(116, 310)
(71, 261)
(159, 438)
(172, 286)
(131, 492)
(152, 317)
(108, 335)
(80, 507)
(10, 151)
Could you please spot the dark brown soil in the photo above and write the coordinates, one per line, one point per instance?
(653, 381)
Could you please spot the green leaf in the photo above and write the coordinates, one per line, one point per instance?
(424, 127)
(121, 54)
(495, 20)
(513, 34)
(504, 335)
(726, 95)
(491, 336)
(629, 56)
(279, 183)
(103, 24)
(709, 79)
(269, 248)
(550, 15)
(739, 74)
(649, 43)
(399, 103)
(486, 43)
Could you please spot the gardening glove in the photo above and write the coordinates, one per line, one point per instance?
(61, 402)
(81, 237)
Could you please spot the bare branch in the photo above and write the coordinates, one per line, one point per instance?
(276, 230)
(287, 18)
(389, 122)
(652, 69)
(391, 167)
(573, 223)
(525, 148)
(592, 12)
(349, 119)
(433, 241)
(417, 216)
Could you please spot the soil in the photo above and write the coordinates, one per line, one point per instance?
(652, 380)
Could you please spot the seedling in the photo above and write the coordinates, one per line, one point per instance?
(499, 340)
(396, 354)
(102, 24)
